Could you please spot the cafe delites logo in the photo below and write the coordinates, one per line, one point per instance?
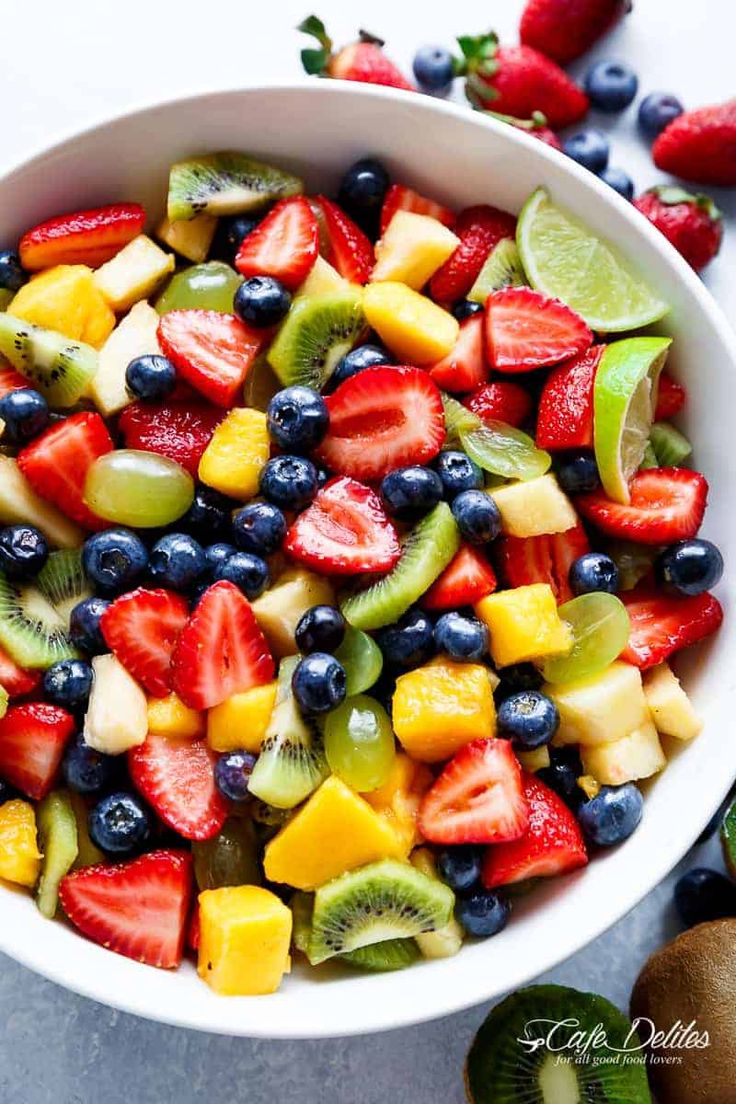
(645, 1042)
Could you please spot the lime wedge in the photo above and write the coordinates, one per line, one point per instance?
(624, 398)
(565, 259)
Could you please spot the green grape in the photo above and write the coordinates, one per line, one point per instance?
(261, 384)
(229, 858)
(503, 450)
(600, 630)
(208, 286)
(359, 743)
(458, 419)
(142, 489)
(362, 659)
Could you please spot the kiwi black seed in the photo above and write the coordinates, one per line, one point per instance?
(57, 367)
(32, 632)
(318, 332)
(226, 183)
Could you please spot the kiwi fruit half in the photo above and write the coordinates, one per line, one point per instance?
(56, 366)
(32, 632)
(57, 841)
(226, 183)
(319, 330)
(728, 838)
(62, 581)
(391, 954)
(501, 268)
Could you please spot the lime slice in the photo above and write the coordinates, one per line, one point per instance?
(600, 632)
(624, 398)
(565, 259)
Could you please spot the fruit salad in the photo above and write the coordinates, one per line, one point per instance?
(346, 544)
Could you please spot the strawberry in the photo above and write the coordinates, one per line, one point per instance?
(85, 237)
(692, 223)
(466, 579)
(10, 380)
(464, 367)
(32, 741)
(553, 843)
(138, 908)
(535, 127)
(221, 650)
(15, 680)
(56, 464)
(671, 397)
(667, 504)
(700, 145)
(176, 776)
(381, 419)
(180, 430)
(525, 329)
(500, 401)
(661, 625)
(210, 350)
(544, 559)
(142, 628)
(344, 531)
(565, 412)
(565, 29)
(363, 60)
(479, 229)
(477, 798)
(193, 930)
(401, 198)
(349, 250)
(285, 244)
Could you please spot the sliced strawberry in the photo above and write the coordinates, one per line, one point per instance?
(525, 330)
(349, 250)
(142, 628)
(10, 380)
(84, 237)
(14, 680)
(221, 650)
(32, 741)
(466, 579)
(284, 245)
(565, 413)
(523, 561)
(176, 776)
(667, 504)
(479, 229)
(661, 625)
(180, 430)
(401, 198)
(671, 398)
(344, 531)
(138, 909)
(57, 462)
(477, 798)
(193, 930)
(553, 843)
(212, 351)
(464, 367)
(500, 401)
(381, 419)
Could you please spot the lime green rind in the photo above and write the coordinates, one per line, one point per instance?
(600, 632)
(505, 451)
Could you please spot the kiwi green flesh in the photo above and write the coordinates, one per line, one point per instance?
(500, 1070)
(319, 330)
(728, 839)
(502, 268)
(381, 901)
(392, 954)
(62, 581)
(226, 183)
(229, 858)
(31, 630)
(56, 366)
(670, 446)
(426, 552)
(57, 842)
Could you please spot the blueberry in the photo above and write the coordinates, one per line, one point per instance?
(262, 301)
(589, 148)
(577, 473)
(702, 895)
(119, 823)
(458, 473)
(529, 719)
(466, 308)
(612, 815)
(23, 551)
(12, 275)
(562, 775)
(482, 914)
(409, 642)
(620, 181)
(656, 111)
(114, 560)
(85, 770)
(218, 553)
(297, 419)
(689, 567)
(25, 413)
(434, 70)
(362, 192)
(593, 571)
(150, 377)
(209, 514)
(289, 482)
(460, 867)
(229, 236)
(409, 493)
(6, 791)
(246, 571)
(68, 683)
(232, 774)
(461, 638)
(318, 683)
(259, 527)
(177, 561)
(365, 356)
(610, 85)
(320, 629)
(477, 516)
(84, 625)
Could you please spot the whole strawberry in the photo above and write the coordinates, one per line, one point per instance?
(565, 29)
(692, 223)
(363, 60)
(536, 127)
(700, 145)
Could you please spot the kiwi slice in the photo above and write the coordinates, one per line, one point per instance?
(728, 839)
(426, 552)
(319, 330)
(62, 581)
(57, 841)
(292, 761)
(670, 446)
(229, 858)
(649, 458)
(88, 854)
(501, 268)
(381, 901)
(500, 1069)
(391, 954)
(31, 630)
(226, 183)
(56, 366)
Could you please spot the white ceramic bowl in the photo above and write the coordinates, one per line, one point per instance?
(318, 129)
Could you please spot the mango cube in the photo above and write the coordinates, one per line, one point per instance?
(245, 933)
(20, 859)
(400, 796)
(65, 298)
(672, 711)
(134, 273)
(242, 720)
(412, 248)
(414, 328)
(440, 707)
(234, 458)
(524, 624)
(169, 716)
(600, 709)
(534, 507)
(637, 755)
(135, 336)
(190, 238)
(279, 609)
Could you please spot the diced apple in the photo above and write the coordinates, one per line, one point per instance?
(190, 238)
(278, 610)
(117, 714)
(638, 755)
(534, 507)
(135, 336)
(600, 709)
(672, 711)
(134, 273)
(19, 503)
(412, 249)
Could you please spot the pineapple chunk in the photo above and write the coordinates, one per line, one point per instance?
(524, 624)
(19, 503)
(440, 707)
(234, 458)
(322, 278)
(169, 716)
(279, 609)
(135, 336)
(400, 796)
(672, 710)
(117, 714)
(412, 248)
(65, 298)
(600, 709)
(190, 238)
(20, 859)
(535, 760)
(134, 273)
(637, 755)
(414, 328)
(245, 933)
(446, 941)
(242, 720)
(535, 507)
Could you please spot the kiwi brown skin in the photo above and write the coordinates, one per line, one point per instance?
(693, 978)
